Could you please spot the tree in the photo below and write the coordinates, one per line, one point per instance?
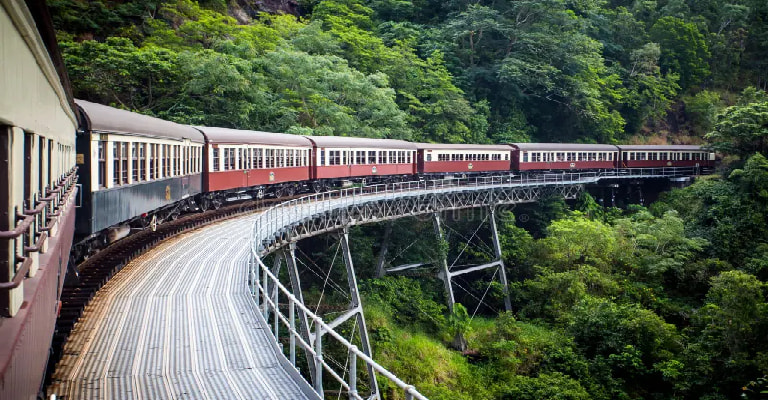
(683, 50)
(741, 129)
(731, 329)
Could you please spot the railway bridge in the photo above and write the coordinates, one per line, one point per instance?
(202, 315)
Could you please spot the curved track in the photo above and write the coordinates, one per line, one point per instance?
(177, 322)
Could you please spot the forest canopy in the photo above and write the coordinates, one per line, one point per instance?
(442, 71)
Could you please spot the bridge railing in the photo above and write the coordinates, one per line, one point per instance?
(276, 218)
(266, 290)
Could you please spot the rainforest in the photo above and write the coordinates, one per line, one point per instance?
(666, 300)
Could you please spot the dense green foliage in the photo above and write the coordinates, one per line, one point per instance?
(670, 302)
(444, 71)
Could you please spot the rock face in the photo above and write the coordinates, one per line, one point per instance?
(246, 10)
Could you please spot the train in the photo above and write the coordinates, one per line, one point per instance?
(137, 171)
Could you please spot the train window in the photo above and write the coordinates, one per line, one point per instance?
(124, 163)
(190, 159)
(290, 158)
(142, 162)
(150, 155)
(115, 163)
(525, 156)
(371, 157)
(177, 160)
(135, 161)
(167, 160)
(334, 157)
(359, 157)
(686, 156)
(231, 159)
(171, 160)
(102, 163)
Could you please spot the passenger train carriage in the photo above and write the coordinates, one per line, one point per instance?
(38, 192)
(339, 158)
(444, 159)
(643, 156)
(563, 156)
(132, 165)
(257, 163)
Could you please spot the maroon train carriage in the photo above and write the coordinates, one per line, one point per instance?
(563, 156)
(342, 158)
(254, 162)
(443, 159)
(648, 156)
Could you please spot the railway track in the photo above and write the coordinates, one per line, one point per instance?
(94, 272)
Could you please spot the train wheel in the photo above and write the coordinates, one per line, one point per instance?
(204, 204)
(317, 186)
(290, 190)
(216, 202)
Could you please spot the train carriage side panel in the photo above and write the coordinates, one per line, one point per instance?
(342, 157)
(656, 156)
(37, 156)
(564, 156)
(138, 163)
(463, 158)
(238, 159)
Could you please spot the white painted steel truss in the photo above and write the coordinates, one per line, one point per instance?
(289, 222)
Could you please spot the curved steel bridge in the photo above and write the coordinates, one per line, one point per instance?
(280, 227)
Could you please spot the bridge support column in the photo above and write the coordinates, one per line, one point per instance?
(293, 272)
(356, 308)
(499, 258)
(444, 274)
(380, 271)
